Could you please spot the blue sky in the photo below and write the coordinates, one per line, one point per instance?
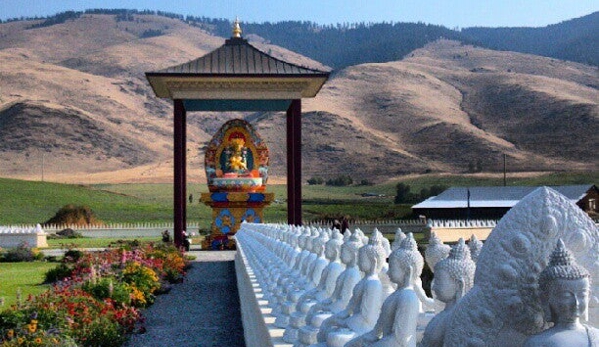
(456, 13)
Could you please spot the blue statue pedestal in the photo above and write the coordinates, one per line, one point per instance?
(229, 210)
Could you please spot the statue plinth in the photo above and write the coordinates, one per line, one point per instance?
(229, 210)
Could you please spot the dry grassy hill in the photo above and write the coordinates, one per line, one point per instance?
(77, 93)
(449, 105)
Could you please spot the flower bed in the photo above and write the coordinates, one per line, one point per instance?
(95, 298)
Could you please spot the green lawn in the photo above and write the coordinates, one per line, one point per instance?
(26, 276)
(27, 202)
(93, 242)
(35, 202)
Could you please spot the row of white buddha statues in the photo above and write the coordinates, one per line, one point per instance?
(329, 290)
(326, 289)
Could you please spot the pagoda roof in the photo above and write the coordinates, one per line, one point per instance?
(238, 57)
(237, 70)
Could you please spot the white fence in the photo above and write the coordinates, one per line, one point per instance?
(32, 236)
(112, 226)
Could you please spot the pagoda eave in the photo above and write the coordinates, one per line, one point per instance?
(259, 87)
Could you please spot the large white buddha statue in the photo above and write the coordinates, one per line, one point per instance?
(341, 296)
(454, 276)
(564, 292)
(503, 308)
(397, 323)
(364, 307)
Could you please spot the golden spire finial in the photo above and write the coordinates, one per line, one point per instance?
(236, 28)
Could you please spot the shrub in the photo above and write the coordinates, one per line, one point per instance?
(142, 281)
(341, 181)
(77, 215)
(315, 181)
(365, 182)
(69, 233)
(109, 287)
(21, 253)
(72, 256)
(59, 273)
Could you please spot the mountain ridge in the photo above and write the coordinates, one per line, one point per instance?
(435, 110)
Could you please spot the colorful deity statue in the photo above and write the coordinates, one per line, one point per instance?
(236, 159)
(236, 165)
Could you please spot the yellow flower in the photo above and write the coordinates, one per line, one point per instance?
(20, 340)
(10, 334)
(32, 327)
(38, 340)
(33, 321)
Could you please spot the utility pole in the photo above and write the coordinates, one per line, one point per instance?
(504, 170)
(468, 209)
(43, 159)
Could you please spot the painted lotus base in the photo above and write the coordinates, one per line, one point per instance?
(229, 210)
(236, 184)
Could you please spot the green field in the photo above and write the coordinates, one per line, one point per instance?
(26, 202)
(26, 277)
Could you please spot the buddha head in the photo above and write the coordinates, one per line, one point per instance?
(454, 275)
(406, 262)
(371, 257)
(564, 287)
(435, 251)
(333, 246)
(319, 244)
(475, 247)
(399, 236)
(349, 249)
(303, 239)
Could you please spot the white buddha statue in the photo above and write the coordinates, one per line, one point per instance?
(399, 236)
(397, 323)
(564, 289)
(323, 290)
(344, 286)
(454, 276)
(295, 287)
(364, 307)
(313, 276)
(293, 273)
(435, 251)
(475, 247)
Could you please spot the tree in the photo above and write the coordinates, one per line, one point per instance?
(402, 192)
(315, 181)
(340, 181)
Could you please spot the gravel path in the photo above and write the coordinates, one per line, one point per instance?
(202, 311)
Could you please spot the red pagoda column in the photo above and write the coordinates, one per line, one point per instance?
(294, 162)
(180, 172)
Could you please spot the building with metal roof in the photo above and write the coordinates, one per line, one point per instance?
(494, 202)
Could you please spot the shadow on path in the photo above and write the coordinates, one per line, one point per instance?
(202, 311)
